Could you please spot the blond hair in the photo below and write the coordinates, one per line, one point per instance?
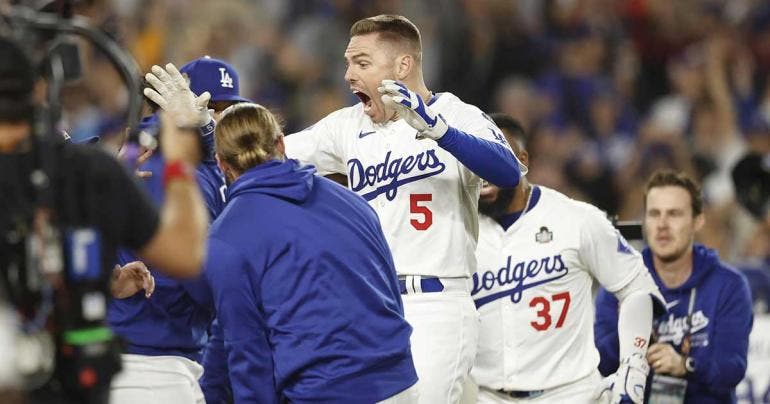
(246, 136)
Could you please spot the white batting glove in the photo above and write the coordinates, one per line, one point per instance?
(627, 384)
(411, 107)
(172, 93)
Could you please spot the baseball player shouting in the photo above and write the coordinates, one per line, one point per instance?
(538, 254)
(416, 157)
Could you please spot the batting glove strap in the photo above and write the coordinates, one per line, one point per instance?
(413, 110)
(630, 380)
(207, 140)
(627, 384)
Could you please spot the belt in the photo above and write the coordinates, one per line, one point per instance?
(522, 394)
(411, 284)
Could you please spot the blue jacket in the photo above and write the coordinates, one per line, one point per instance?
(175, 320)
(722, 320)
(306, 292)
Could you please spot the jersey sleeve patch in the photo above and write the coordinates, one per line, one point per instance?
(623, 246)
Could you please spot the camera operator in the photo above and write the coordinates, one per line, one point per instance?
(83, 202)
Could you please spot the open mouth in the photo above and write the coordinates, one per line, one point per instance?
(365, 99)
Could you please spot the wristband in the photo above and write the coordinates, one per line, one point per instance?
(177, 170)
(206, 133)
(207, 129)
(689, 365)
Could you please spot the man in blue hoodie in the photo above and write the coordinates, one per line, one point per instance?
(302, 279)
(166, 334)
(701, 343)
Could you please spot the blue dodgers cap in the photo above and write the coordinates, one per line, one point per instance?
(215, 76)
(87, 140)
(84, 140)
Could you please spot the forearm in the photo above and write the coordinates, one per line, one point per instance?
(178, 245)
(634, 324)
(490, 161)
(719, 92)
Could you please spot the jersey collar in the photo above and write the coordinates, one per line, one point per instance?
(506, 221)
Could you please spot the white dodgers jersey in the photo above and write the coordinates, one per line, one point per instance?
(426, 200)
(533, 291)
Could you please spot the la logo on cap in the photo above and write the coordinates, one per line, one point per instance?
(224, 78)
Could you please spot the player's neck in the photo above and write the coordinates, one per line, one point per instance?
(425, 94)
(520, 197)
(418, 86)
(676, 272)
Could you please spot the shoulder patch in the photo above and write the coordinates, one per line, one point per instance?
(623, 246)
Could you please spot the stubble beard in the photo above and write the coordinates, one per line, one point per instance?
(498, 207)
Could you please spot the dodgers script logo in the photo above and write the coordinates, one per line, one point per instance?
(391, 174)
(673, 328)
(521, 276)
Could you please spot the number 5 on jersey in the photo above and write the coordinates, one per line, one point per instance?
(543, 307)
(425, 216)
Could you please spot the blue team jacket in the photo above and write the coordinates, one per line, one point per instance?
(175, 320)
(722, 320)
(306, 292)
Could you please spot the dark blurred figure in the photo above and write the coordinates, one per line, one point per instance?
(64, 211)
(751, 177)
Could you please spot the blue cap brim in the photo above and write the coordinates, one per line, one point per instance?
(235, 98)
(87, 140)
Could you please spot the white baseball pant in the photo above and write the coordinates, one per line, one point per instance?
(157, 380)
(444, 338)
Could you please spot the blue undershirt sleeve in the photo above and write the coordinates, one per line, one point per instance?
(489, 160)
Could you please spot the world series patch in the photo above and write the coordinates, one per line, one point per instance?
(544, 235)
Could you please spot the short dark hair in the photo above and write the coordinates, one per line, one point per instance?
(17, 83)
(393, 28)
(512, 129)
(662, 178)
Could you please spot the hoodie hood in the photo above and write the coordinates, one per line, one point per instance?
(282, 179)
(704, 261)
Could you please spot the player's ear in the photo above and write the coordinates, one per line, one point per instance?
(280, 146)
(220, 163)
(404, 66)
(700, 220)
(523, 157)
(223, 166)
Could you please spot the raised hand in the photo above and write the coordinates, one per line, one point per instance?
(172, 93)
(412, 109)
(130, 279)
